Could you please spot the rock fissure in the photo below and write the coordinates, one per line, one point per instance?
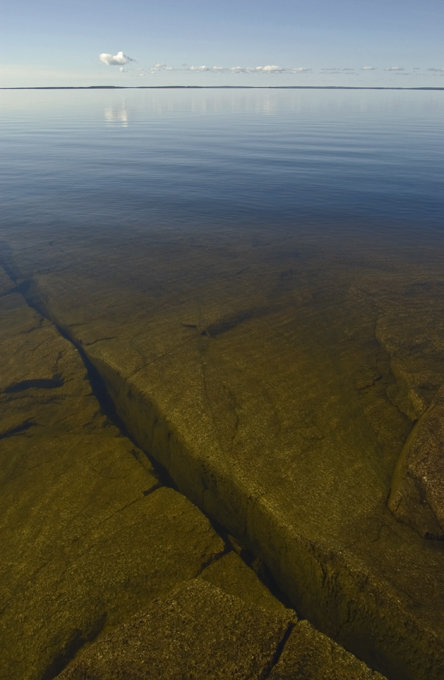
(104, 339)
(36, 383)
(278, 652)
(152, 489)
(72, 647)
(18, 429)
(214, 558)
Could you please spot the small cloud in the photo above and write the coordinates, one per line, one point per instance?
(270, 68)
(436, 70)
(161, 67)
(395, 68)
(201, 69)
(119, 59)
(368, 68)
(204, 68)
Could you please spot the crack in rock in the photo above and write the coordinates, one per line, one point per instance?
(37, 383)
(17, 430)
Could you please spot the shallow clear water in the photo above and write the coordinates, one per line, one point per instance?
(104, 158)
(199, 246)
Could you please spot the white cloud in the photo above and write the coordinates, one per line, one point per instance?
(270, 68)
(204, 68)
(262, 69)
(119, 59)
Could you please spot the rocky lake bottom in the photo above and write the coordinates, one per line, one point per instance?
(221, 445)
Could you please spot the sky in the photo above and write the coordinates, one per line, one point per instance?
(389, 43)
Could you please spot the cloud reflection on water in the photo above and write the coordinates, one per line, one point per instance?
(117, 115)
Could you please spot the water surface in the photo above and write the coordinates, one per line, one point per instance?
(259, 276)
(104, 158)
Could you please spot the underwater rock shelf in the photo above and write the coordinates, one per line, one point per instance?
(104, 571)
(277, 385)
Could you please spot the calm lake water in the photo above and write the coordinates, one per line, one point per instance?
(259, 277)
(116, 158)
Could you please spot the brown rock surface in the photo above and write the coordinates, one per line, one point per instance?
(233, 576)
(276, 377)
(311, 655)
(87, 536)
(198, 632)
(417, 493)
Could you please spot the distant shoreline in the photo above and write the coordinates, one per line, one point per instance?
(218, 87)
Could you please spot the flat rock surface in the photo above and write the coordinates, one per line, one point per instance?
(277, 378)
(200, 631)
(311, 655)
(231, 574)
(88, 535)
(197, 632)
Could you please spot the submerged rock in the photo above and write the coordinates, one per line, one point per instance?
(310, 655)
(262, 382)
(201, 632)
(417, 492)
(96, 553)
(197, 632)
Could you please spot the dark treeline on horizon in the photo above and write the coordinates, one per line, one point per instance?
(217, 87)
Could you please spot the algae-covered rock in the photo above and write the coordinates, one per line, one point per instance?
(310, 655)
(275, 376)
(73, 591)
(233, 576)
(43, 381)
(197, 632)
(87, 536)
(417, 493)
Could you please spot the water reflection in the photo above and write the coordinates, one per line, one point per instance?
(196, 154)
(117, 114)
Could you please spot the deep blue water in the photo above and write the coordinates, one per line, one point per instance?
(113, 158)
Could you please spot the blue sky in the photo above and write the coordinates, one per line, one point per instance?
(280, 42)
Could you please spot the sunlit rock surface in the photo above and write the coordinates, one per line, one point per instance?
(277, 378)
(93, 545)
(202, 632)
(197, 632)
(87, 535)
(311, 655)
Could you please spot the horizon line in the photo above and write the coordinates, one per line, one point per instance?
(220, 87)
